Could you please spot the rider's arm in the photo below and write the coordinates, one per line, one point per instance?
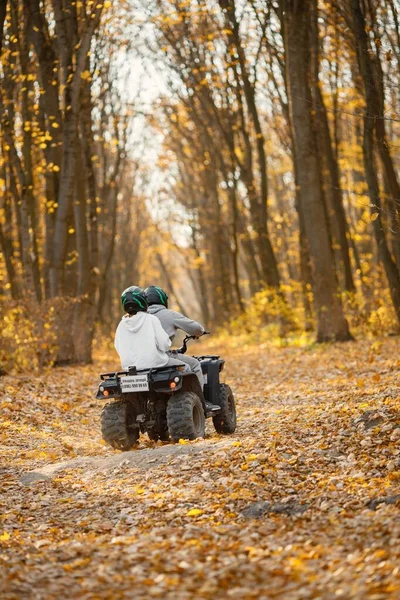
(187, 325)
(163, 342)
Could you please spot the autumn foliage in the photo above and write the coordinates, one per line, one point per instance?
(264, 166)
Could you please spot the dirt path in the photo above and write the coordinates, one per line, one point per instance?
(282, 509)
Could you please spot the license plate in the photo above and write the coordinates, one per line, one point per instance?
(134, 383)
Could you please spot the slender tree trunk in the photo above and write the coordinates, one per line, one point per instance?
(3, 13)
(232, 193)
(258, 200)
(331, 323)
(170, 283)
(16, 167)
(7, 248)
(103, 285)
(385, 257)
(65, 196)
(22, 37)
(373, 122)
(202, 284)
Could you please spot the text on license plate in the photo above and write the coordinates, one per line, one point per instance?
(134, 383)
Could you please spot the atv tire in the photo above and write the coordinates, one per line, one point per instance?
(185, 417)
(225, 422)
(118, 426)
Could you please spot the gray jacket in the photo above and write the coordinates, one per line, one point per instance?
(172, 321)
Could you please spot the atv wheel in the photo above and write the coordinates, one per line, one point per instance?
(185, 417)
(118, 427)
(225, 422)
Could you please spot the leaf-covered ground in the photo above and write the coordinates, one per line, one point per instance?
(301, 502)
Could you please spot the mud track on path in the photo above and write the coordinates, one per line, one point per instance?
(143, 459)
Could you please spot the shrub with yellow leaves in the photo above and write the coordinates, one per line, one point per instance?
(268, 314)
(27, 339)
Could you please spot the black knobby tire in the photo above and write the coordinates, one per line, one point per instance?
(225, 422)
(185, 417)
(117, 425)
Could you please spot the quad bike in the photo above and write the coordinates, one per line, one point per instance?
(166, 402)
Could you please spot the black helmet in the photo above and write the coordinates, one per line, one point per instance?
(156, 295)
(134, 300)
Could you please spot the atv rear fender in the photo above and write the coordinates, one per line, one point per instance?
(211, 367)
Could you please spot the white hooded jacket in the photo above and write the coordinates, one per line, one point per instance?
(141, 342)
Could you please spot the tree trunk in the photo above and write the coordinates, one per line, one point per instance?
(3, 13)
(169, 282)
(202, 284)
(331, 323)
(333, 193)
(373, 122)
(385, 257)
(329, 170)
(65, 196)
(17, 171)
(6, 246)
(259, 200)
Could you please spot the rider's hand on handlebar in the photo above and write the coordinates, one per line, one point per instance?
(197, 337)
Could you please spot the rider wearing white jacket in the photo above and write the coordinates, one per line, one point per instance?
(140, 339)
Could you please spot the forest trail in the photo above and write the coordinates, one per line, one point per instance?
(301, 502)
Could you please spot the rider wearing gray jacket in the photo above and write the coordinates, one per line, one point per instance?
(171, 321)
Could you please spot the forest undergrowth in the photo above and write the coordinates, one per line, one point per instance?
(301, 502)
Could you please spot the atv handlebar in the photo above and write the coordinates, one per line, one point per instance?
(183, 348)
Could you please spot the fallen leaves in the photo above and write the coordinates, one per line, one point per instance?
(301, 502)
(194, 512)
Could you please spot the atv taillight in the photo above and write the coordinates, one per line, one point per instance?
(172, 385)
(105, 393)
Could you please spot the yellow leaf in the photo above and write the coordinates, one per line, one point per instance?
(374, 216)
(55, 125)
(85, 74)
(194, 512)
(4, 537)
(297, 564)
